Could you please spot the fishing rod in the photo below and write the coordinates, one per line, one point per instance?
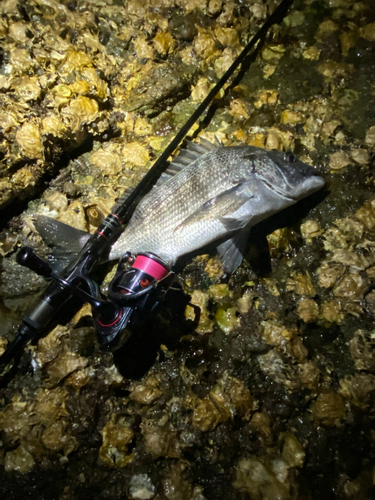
(140, 282)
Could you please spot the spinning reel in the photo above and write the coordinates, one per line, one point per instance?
(139, 285)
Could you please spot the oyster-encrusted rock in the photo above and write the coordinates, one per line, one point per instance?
(30, 141)
(147, 392)
(339, 160)
(259, 481)
(19, 460)
(358, 389)
(116, 438)
(307, 310)
(328, 409)
(199, 299)
(293, 451)
(362, 350)
(119, 81)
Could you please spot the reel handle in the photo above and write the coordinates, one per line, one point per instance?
(28, 258)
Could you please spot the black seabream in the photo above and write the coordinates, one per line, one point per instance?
(209, 193)
(215, 193)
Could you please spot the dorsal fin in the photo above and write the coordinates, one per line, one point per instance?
(122, 199)
(192, 152)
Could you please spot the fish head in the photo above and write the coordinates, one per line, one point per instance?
(286, 175)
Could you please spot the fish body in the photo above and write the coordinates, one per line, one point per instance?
(209, 193)
(214, 193)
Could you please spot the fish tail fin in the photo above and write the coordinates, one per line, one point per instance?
(66, 241)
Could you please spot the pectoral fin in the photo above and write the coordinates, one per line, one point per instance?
(220, 207)
(232, 250)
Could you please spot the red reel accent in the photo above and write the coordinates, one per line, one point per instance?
(150, 266)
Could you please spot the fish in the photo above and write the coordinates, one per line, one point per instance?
(215, 193)
(209, 193)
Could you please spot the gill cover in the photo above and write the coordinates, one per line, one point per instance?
(146, 271)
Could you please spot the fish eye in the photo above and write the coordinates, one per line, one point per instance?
(290, 157)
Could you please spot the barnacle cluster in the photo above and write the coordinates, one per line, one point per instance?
(259, 385)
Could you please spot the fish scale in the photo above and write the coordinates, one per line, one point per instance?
(153, 225)
(221, 193)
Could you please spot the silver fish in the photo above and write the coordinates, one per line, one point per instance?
(214, 193)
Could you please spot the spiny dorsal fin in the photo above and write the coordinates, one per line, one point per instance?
(192, 152)
(122, 199)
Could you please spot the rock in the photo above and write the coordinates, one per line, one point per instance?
(293, 451)
(328, 409)
(370, 136)
(141, 487)
(116, 438)
(259, 481)
(339, 160)
(30, 141)
(362, 351)
(307, 310)
(19, 460)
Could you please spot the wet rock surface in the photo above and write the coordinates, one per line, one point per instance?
(259, 385)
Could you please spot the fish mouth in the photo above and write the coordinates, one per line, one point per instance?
(313, 183)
